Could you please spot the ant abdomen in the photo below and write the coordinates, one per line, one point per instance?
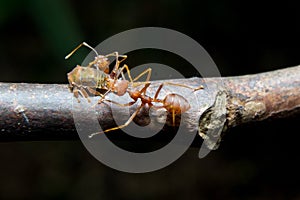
(175, 103)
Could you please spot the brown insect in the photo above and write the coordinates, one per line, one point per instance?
(95, 76)
(173, 103)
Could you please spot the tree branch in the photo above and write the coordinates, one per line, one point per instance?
(44, 111)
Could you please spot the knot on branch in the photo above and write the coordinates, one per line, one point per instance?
(212, 121)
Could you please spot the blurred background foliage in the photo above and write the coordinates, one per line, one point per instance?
(260, 161)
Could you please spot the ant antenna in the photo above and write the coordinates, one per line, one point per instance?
(82, 44)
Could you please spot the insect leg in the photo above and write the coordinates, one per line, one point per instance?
(121, 104)
(103, 96)
(76, 95)
(185, 86)
(143, 90)
(116, 54)
(81, 89)
(149, 70)
(123, 58)
(173, 117)
(84, 94)
(122, 126)
(93, 91)
(158, 91)
(128, 71)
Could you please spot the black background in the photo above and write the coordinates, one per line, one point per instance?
(258, 161)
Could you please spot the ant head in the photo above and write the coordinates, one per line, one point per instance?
(102, 63)
(121, 87)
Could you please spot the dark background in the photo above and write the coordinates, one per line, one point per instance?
(258, 161)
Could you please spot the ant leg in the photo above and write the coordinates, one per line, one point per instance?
(121, 104)
(143, 90)
(103, 96)
(123, 58)
(158, 91)
(173, 112)
(173, 117)
(119, 127)
(181, 85)
(116, 68)
(132, 81)
(149, 70)
(116, 54)
(128, 72)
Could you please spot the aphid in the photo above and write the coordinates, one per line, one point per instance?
(173, 103)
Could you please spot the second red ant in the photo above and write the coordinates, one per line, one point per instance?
(174, 104)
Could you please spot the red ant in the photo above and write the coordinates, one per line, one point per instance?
(173, 103)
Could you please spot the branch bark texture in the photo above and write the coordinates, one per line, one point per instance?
(45, 111)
